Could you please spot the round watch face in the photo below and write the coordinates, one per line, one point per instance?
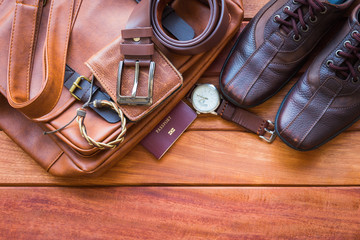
(205, 98)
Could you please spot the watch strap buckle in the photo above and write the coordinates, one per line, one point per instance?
(269, 135)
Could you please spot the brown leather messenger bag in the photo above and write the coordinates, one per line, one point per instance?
(116, 67)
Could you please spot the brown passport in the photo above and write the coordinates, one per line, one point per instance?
(164, 135)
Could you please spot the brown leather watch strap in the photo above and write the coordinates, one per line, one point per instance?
(248, 120)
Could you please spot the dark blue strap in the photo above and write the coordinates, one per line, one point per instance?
(175, 25)
(83, 94)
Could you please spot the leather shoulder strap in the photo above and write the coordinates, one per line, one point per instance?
(23, 41)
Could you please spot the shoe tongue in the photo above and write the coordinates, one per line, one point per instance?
(355, 15)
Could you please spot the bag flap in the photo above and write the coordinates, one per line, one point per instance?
(104, 65)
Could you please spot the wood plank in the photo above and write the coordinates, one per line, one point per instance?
(207, 158)
(180, 213)
(252, 7)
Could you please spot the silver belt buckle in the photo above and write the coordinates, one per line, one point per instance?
(271, 135)
(133, 99)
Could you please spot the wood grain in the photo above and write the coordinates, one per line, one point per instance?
(207, 158)
(218, 181)
(180, 213)
(252, 7)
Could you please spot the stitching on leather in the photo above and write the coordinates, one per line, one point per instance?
(49, 117)
(205, 65)
(11, 50)
(3, 89)
(318, 119)
(262, 71)
(260, 127)
(87, 91)
(67, 39)
(305, 107)
(55, 160)
(249, 60)
(149, 109)
(25, 4)
(77, 9)
(223, 109)
(30, 55)
(350, 107)
(318, 89)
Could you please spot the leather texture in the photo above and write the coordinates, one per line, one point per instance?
(244, 118)
(326, 100)
(27, 14)
(67, 153)
(104, 65)
(268, 52)
(84, 91)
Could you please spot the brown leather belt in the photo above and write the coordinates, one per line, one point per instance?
(213, 33)
(145, 22)
(144, 27)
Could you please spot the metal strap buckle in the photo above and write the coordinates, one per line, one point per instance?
(133, 99)
(76, 84)
(271, 133)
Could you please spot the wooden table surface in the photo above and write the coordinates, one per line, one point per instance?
(217, 181)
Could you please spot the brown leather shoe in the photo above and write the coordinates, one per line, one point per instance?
(273, 46)
(326, 100)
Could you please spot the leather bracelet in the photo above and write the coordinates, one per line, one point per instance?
(80, 88)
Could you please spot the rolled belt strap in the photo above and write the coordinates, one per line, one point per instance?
(146, 21)
(209, 38)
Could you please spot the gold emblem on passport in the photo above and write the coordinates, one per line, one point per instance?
(171, 131)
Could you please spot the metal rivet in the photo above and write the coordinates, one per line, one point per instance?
(358, 68)
(305, 29)
(276, 16)
(355, 80)
(354, 32)
(324, 11)
(296, 39)
(329, 62)
(313, 20)
(347, 41)
(337, 53)
(295, 2)
(286, 8)
(137, 39)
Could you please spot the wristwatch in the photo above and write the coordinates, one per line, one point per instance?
(205, 98)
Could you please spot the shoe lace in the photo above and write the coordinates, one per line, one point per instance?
(350, 58)
(290, 23)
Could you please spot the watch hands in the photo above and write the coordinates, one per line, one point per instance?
(202, 97)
